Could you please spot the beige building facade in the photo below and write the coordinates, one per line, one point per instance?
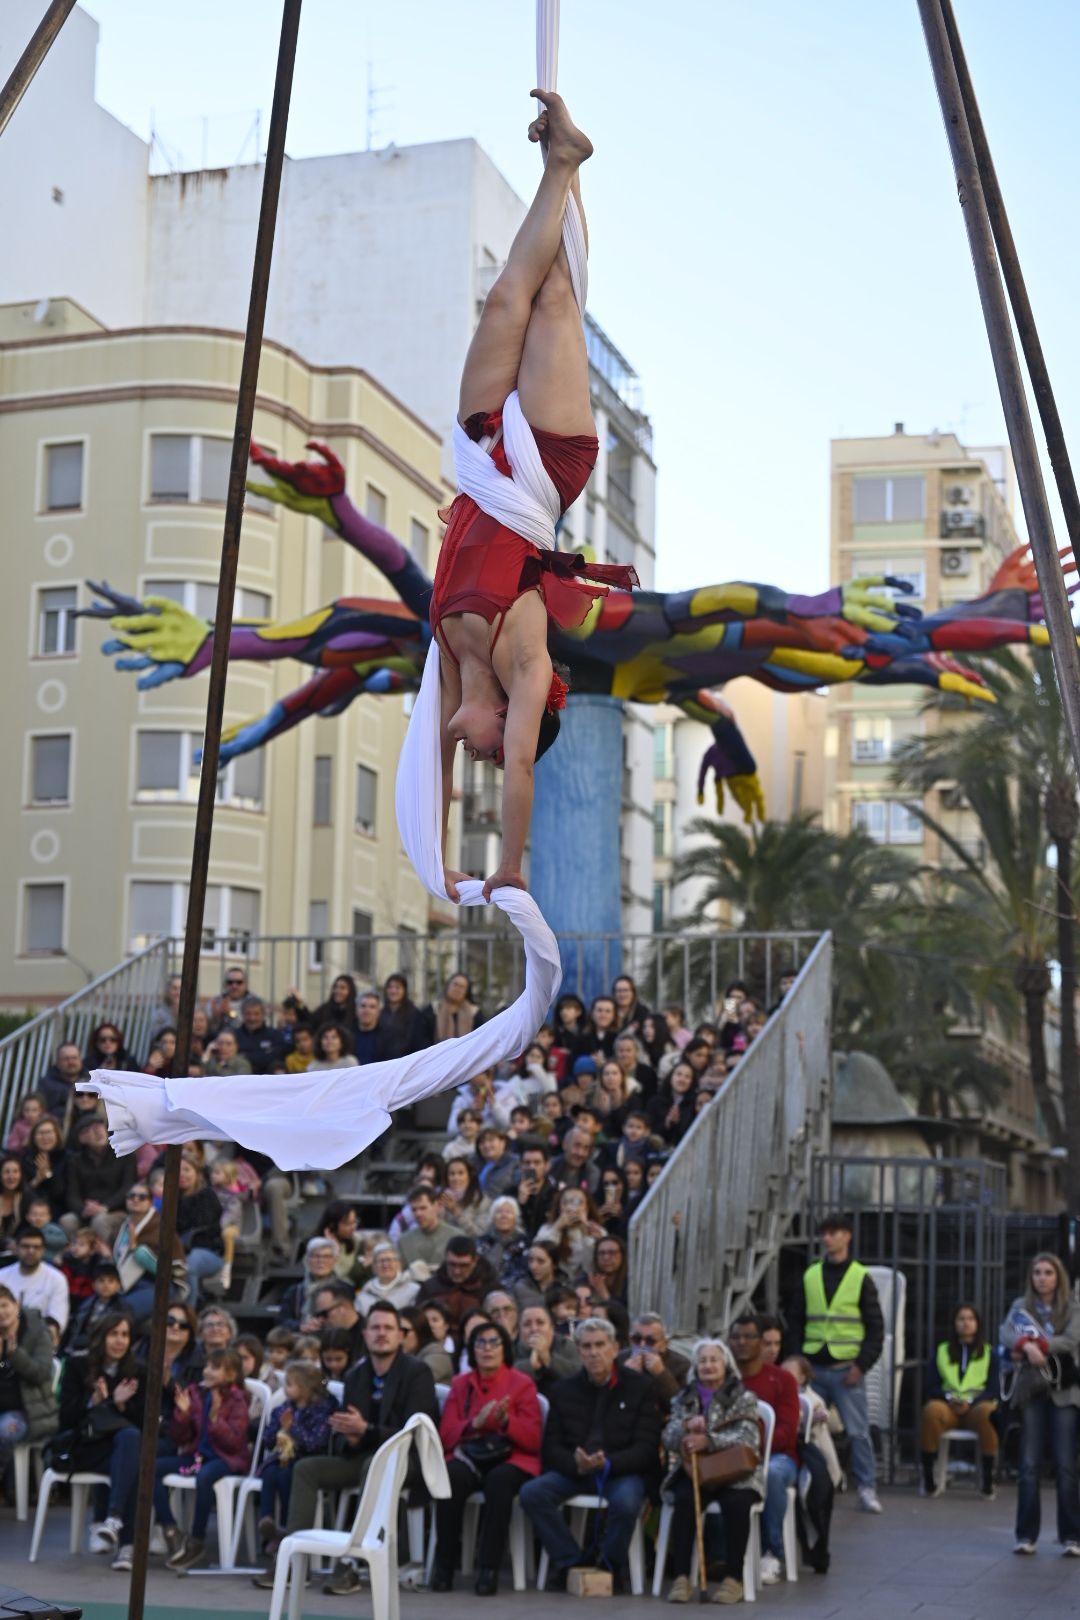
(939, 514)
(114, 454)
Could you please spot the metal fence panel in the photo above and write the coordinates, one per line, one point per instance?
(705, 1233)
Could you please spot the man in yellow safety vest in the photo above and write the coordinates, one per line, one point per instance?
(835, 1320)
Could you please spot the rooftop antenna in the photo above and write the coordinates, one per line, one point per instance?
(373, 108)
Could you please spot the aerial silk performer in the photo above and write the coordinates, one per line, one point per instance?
(523, 448)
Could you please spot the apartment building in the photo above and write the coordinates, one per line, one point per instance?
(939, 515)
(114, 456)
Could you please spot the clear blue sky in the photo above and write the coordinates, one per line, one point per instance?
(777, 246)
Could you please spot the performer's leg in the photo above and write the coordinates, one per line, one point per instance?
(553, 382)
(495, 354)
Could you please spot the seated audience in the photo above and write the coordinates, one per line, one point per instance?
(198, 1226)
(97, 1181)
(573, 1230)
(713, 1410)
(542, 1271)
(298, 1428)
(28, 1409)
(45, 1164)
(34, 1283)
(37, 1212)
(402, 1027)
(490, 1430)
(419, 1341)
(57, 1084)
(504, 1243)
(778, 1389)
(672, 1111)
(575, 1166)
(29, 1111)
(339, 1221)
(464, 1204)
(137, 1250)
(390, 1280)
(498, 1165)
(298, 1302)
(382, 1392)
(650, 1352)
(225, 1060)
(462, 1280)
(427, 1239)
(280, 1344)
(101, 1403)
(607, 1277)
(961, 1389)
(334, 1306)
(456, 1012)
(536, 1187)
(603, 1424)
(544, 1355)
(501, 1308)
(332, 1049)
(209, 1430)
(463, 1145)
(264, 1047)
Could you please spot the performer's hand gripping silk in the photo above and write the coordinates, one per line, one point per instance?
(496, 587)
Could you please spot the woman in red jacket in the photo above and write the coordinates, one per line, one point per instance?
(490, 1429)
(210, 1427)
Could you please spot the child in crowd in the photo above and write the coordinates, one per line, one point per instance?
(78, 1262)
(821, 1432)
(556, 1123)
(307, 1348)
(442, 1328)
(298, 1428)
(37, 1212)
(31, 1109)
(335, 1346)
(280, 1344)
(634, 1143)
(209, 1428)
(463, 1145)
(302, 1055)
(248, 1347)
(235, 1183)
(105, 1286)
(562, 1302)
(521, 1122)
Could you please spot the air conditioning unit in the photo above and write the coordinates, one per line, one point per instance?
(959, 495)
(956, 564)
(962, 517)
(869, 749)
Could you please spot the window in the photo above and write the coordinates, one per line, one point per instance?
(887, 821)
(56, 621)
(318, 928)
(797, 777)
(230, 919)
(869, 816)
(661, 831)
(367, 784)
(406, 937)
(904, 825)
(375, 506)
(63, 477)
(890, 500)
(661, 897)
(324, 775)
(167, 771)
(50, 770)
(662, 766)
(201, 599)
(189, 467)
(362, 926)
(870, 740)
(907, 568)
(418, 542)
(43, 923)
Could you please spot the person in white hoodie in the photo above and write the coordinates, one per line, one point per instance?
(392, 1283)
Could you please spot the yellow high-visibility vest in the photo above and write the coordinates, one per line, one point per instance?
(974, 1378)
(836, 1324)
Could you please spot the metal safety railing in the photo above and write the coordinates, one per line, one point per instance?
(127, 996)
(711, 1225)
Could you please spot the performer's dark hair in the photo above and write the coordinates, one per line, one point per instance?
(550, 724)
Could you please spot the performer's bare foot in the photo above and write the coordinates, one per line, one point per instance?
(555, 130)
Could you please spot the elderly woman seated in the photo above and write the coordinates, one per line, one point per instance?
(712, 1412)
(392, 1282)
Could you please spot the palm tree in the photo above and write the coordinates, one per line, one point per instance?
(1013, 766)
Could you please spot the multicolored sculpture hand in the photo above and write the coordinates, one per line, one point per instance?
(645, 647)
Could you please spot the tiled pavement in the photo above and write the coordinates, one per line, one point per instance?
(949, 1559)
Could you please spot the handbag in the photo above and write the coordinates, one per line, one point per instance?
(485, 1451)
(101, 1422)
(728, 1466)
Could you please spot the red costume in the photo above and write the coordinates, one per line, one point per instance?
(484, 567)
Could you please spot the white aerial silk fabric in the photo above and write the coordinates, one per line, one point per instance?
(319, 1121)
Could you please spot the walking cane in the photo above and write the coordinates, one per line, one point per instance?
(699, 1525)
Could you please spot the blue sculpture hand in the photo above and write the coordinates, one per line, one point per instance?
(242, 739)
(159, 673)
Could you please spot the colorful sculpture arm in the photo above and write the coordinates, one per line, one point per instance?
(728, 757)
(317, 489)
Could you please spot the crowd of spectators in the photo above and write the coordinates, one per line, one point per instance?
(503, 1275)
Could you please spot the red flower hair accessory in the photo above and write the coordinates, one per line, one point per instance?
(557, 694)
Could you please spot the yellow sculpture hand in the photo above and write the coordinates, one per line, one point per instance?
(163, 640)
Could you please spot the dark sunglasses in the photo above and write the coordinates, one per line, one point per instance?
(644, 1340)
(178, 1322)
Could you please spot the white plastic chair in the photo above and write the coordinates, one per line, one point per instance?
(81, 1486)
(232, 1493)
(372, 1539)
(248, 1488)
(25, 1452)
(882, 1383)
(751, 1572)
(580, 1507)
(941, 1468)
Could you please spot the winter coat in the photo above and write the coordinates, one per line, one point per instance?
(198, 1221)
(309, 1429)
(456, 1297)
(1030, 1381)
(32, 1364)
(401, 1292)
(565, 1362)
(622, 1414)
(99, 1177)
(54, 1185)
(732, 1419)
(524, 1425)
(227, 1433)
